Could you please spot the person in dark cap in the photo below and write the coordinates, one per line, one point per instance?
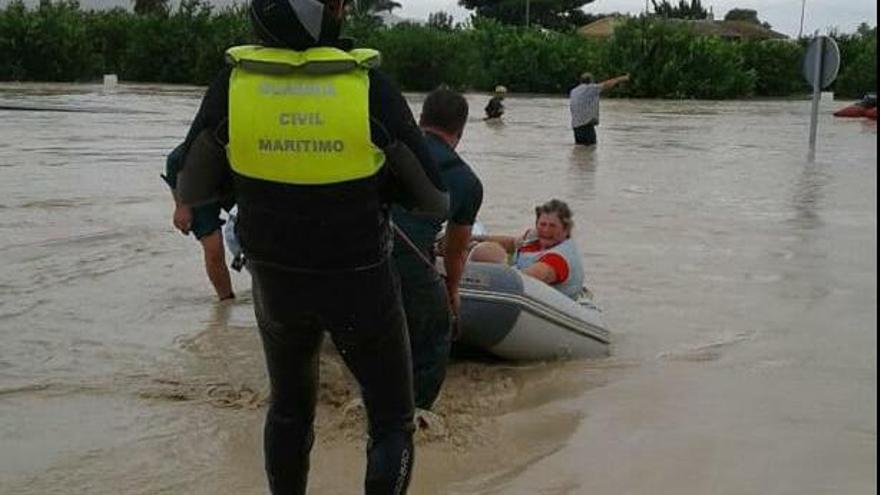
(310, 128)
(432, 304)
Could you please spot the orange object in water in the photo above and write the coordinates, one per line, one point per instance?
(871, 113)
(854, 110)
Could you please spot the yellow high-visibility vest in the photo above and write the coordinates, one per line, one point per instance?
(301, 117)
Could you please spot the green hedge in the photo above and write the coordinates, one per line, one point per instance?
(50, 43)
(420, 59)
(57, 41)
(858, 62)
(777, 67)
(668, 61)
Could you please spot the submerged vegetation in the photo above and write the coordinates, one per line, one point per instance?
(58, 41)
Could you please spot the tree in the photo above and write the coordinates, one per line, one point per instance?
(684, 10)
(362, 9)
(550, 14)
(147, 7)
(747, 15)
(866, 30)
(440, 20)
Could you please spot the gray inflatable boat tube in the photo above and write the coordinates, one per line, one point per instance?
(518, 317)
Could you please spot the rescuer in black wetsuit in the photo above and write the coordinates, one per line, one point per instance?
(303, 126)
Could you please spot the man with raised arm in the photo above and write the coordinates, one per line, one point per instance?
(584, 104)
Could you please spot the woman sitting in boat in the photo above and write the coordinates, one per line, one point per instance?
(545, 252)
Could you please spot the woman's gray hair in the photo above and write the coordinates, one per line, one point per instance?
(560, 208)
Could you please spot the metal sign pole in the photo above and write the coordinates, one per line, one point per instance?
(821, 63)
(817, 92)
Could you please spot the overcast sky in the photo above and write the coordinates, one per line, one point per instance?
(783, 15)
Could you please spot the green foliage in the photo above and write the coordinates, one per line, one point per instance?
(150, 7)
(684, 10)
(550, 14)
(59, 42)
(13, 29)
(858, 63)
(367, 10)
(530, 60)
(49, 43)
(441, 20)
(184, 47)
(667, 60)
(777, 65)
(361, 27)
(110, 31)
(421, 58)
(746, 15)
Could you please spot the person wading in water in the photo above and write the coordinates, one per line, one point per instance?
(584, 105)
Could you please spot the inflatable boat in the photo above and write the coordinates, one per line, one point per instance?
(517, 317)
(510, 315)
(863, 108)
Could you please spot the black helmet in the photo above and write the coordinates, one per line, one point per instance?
(296, 24)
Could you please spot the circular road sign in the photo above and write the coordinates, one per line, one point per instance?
(822, 50)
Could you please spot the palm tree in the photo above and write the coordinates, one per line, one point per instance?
(369, 8)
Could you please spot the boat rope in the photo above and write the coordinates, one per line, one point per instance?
(406, 240)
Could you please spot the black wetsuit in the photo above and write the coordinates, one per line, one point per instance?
(495, 108)
(319, 259)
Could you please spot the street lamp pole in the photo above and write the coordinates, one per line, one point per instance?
(801, 30)
(527, 13)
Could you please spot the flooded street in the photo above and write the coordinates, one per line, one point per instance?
(738, 278)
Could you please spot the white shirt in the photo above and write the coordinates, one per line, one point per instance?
(584, 103)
